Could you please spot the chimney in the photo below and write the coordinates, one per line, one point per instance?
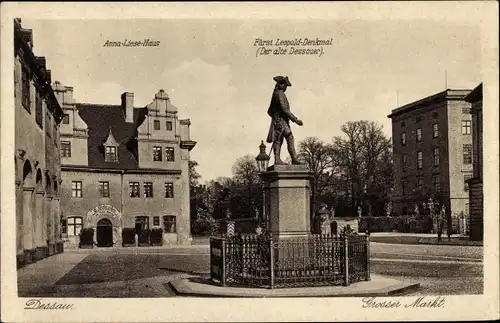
(128, 106)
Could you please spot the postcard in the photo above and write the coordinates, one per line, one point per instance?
(248, 161)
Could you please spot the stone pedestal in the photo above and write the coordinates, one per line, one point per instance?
(287, 195)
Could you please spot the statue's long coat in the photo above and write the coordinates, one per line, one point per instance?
(279, 111)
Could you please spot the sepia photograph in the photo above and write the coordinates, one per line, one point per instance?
(205, 159)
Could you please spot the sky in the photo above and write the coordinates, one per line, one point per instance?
(212, 74)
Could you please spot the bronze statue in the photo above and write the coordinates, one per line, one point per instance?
(279, 111)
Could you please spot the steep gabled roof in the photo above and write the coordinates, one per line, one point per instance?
(107, 122)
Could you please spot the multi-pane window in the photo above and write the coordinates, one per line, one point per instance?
(65, 149)
(141, 224)
(404, 161)
(418, 119)
(419, 160)
(436, 156)
(76, 189)
(134, 189)
(157, 156)
(65, 119)
(435, 130)
(169, 190)
(466, 127)
(169, 125)
(156, 221)
(169, 224)
(75, 225)
(419, 134)
(467, 154)
(436, 184)
(26, 98)
(148, 189)
(403, 139)
(111, 155)
(104, 188)
(38, 110)
(156, 124)
(169, 154)
(420, 183)
(466, 183)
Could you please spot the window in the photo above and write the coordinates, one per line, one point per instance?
(435, 130)
(436, 184)
(157, 153)
(141, 224)
(404, 162)
(419, 160)
(418, 119)
(466, 184)
(75, 224)
(26, 99)
(435, 115)
(65, 119)
(465, 110)
(436, 156)
(156, 221)
(76, 189)
(169, 125)
(466, 127)
(111, 155)
(404, 187)
(420, 184)
(104, 188)
(134, 189)
(169, 154)
(419, 134)
(467, 154)
(65, 149)
(148, 189)
(169, 190)
(403, 139)
(169, 223)
(156, 124)
(64, 226)
(38, 110)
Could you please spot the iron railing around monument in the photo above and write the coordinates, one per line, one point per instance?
(264, 261)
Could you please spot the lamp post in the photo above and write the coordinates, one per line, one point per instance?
(262, 163)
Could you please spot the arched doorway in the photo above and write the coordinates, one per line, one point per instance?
(104, 233)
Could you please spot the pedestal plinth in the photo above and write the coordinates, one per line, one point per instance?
(287, 200)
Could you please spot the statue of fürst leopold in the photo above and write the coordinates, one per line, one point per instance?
(279, 111)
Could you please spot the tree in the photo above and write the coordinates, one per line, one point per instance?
(321, 161)
(194, 176)
(364, 159)
(247, 192)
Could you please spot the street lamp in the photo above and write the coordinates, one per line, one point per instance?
(263, 158)
(262, 163)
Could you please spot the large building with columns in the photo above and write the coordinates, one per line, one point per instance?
(37, 163)
(124, 167)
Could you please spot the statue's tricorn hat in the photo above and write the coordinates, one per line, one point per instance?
(282, 79)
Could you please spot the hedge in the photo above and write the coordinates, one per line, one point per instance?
(128, 236)
(409, 224)
(87, 237)
(156, 237)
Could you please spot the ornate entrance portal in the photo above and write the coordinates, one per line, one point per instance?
(107, 223)
(104, 233)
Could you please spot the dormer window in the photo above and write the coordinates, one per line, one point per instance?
(111, 155)
(111, 149)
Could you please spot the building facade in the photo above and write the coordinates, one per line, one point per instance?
(476, 209)
(432, 145)
(124, 167)
(37, 164)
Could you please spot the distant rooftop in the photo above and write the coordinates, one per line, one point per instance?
(446, 95)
